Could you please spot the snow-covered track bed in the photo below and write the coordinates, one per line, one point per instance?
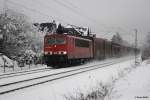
(17, 85)
(14, 74)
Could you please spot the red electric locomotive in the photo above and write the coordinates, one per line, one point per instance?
(64, 48)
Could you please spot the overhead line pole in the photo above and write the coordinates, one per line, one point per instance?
(4, 29)
(4, 7)
(135, 51)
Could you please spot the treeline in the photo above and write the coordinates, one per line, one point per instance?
(19, 38)
(146, 48)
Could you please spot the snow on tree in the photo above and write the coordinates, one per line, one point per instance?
(19, 35)
(117, 38)
(47, 27)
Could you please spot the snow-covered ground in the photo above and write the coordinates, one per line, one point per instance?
(71, 85)
(134, 86)
(12, 66)
(52, 71)
(4, 60)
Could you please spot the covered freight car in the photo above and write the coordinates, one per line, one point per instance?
(102, 48)
(107, 49)
(116, 49)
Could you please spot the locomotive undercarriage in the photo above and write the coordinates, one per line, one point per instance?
(55, 59)
(63, 61)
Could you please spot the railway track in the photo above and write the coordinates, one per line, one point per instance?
(24, 72)
(21, 73)
(13, 86)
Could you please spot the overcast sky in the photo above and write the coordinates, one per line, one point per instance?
(104, 17)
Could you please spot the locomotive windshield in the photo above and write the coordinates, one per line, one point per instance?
(52, 41)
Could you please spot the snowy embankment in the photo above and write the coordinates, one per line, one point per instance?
(135, 85)
(81, 83)
(8, 65)
(4, 60)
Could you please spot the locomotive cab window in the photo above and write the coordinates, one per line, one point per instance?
(81, 43)
(52, 41)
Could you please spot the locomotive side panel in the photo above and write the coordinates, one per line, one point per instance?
(99, 46)
(107, 49)
(70, 48)
(80, 48)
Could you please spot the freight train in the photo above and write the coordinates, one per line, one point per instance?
(66, 47)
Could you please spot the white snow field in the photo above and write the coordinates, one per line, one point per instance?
(134, 86)
(8, 62)
(12, 66)
(71, 85)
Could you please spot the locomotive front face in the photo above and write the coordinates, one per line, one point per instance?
(55, 45)
(55, 48)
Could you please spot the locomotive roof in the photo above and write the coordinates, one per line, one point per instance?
(68, 35)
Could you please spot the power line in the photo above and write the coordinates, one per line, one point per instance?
(47, 15)
(66, 6)
(70, 4)
(73, 10)
(34, 10)
(77, 11)
(52, 9)
(28, 8)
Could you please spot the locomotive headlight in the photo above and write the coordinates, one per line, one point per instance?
(45, 53)
(50, 52)
(59, 52)
(64, 52)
